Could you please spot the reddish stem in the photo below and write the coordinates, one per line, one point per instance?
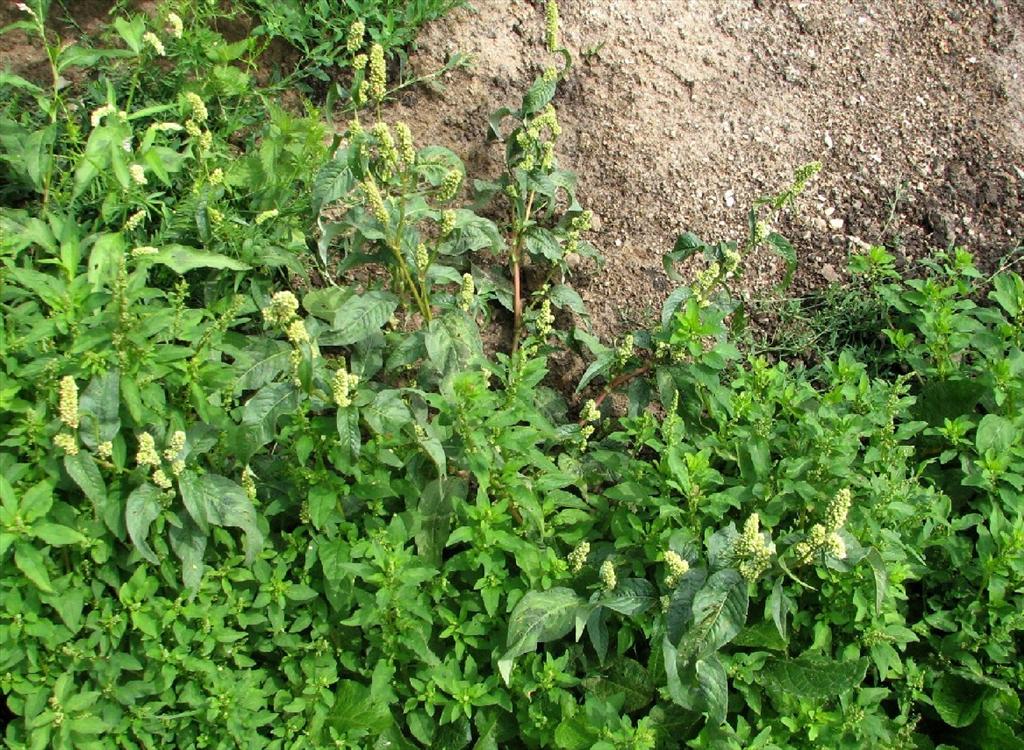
(617, 382)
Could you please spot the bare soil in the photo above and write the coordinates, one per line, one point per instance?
(678, 114)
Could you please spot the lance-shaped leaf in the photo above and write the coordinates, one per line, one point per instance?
(539, 616)
(141, 509)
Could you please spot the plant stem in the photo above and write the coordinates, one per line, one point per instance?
(517, 282)
(619, 381)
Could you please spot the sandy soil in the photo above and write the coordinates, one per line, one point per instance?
(679, 114)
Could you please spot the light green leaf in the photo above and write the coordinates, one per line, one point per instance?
(182, 259)
(539, 616)
(995, 434)
(56, 534)
(141, 509)
(107, 251)
(809, 677)
(538, 95)
(360, 317)
(435, 516)
(31, 562)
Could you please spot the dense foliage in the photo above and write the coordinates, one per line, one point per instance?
(263, 484)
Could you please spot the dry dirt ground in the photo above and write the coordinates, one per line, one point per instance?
(679, 113)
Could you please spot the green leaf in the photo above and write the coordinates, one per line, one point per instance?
(957, 700)
(182, 259)
(32, 563)
(141, 509)
(713, 687)
(622, 676)
(539, 616)
(35, 503)
(810, 677)
(781, 247)
(538, 95)
(719, 611)
(881, 574)
(214, 499)
(100, 407)
(1008, 292)
(107, 251)
(387, 413)
(360, 317)
(434, 512)
(631, 597)
(189, 543)
(356, 711)
(56, 534)
(995, 434)
(85, 473)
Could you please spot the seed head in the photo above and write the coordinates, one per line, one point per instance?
(198, 107)
(68, 403)
(405, 145)
(176, 27)
(377, 78)
(266, 216)
(376, 201)
(838, 509)
(466, 292)
(677, 568)
(607, 575)
(138, 173)
(450, 185)
(147, 455)
(578, 557)
(551, 25)
(354, 40)
(447, 222)
(66, 443)
(154, 41)
(282, 309)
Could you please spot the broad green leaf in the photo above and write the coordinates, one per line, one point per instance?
(141, 509)
(227, 504)
(189, 544)
(434, 513)
(538, 95)
(957, 700)
(680, 605)
(387, 413)
(32, 563)
(713, 687)
(360, 317)
(104, 257)
(625, 676)
(100, 407)
(56, 534)
(631, 597)
(719, 611)
(540, 616)
(1008, 292)
(182, 259)
(83, 470)
(810, 677)
(356, 711)
(995, 434)
(69, 605)
(35, 502)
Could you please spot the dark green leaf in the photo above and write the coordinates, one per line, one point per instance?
(141, 509)
(539, 616)
(810, 677)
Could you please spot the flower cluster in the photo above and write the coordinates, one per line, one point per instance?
(466, 292)
(677, 568)
(249, 483)
(545, 320)
(138, 173)
(147, 455)
(175, 26)
(68, 404)
(154, 41)
(825, 538)
(405, 145)
(282, 309)
(422, 259)
(264, 216)
(376, 200)
(449, 185)
(296, 332)
(447, 224)
(377, 79)
(99, 113)
(624, 351)
(342, 386)
(173, 452)
(752, 550)
(705, 282)
(578, 557)
(551, 25)
(607, 575)
(588, 416)
(66, 443)
(354, 40)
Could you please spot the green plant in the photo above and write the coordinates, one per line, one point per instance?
(233, 513)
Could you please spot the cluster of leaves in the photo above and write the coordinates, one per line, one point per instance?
(232, 514)
(322, 30)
